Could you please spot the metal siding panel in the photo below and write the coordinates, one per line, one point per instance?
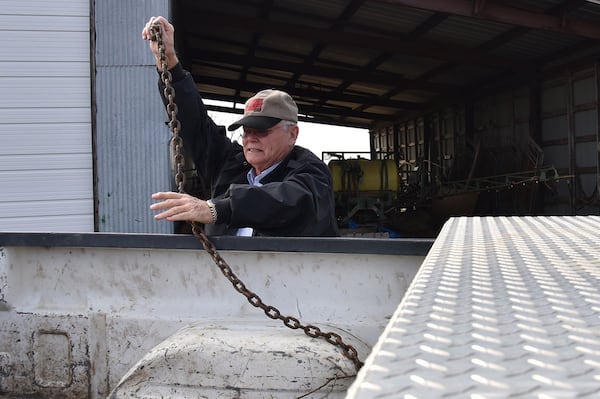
(408, 66)
(42, 209)
(504, 110)
(522, 135)
(56, 224)
(44, 115)
(66, 161)
(48, 185)
(465, 32)
(45, 24)
(459, 75)
(388, 17)
(45, 7)
(42, 138)
(584, 91)
(39, 92)
(56, 69)
(586, 155)
(121, 43)
(41, 116)
(554, 98)
(45, 46)
(557, 155)
(331, 8)
(535, 44)
(588, 186)
(132, 149)
(132, 141)
(52, 200)
(586, 123)
(555, 128)
(521, 108)
(505, 136)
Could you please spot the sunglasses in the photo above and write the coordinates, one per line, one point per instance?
(260, 133)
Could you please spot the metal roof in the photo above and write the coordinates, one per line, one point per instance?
(366, 63)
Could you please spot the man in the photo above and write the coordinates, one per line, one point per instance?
(266, 186)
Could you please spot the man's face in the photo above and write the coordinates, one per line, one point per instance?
(263, 148)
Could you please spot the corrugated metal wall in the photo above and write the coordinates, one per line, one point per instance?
(131, 137)
(45, 117)
(513, 132)
(570, 138)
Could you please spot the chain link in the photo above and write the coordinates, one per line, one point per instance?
(198, 229)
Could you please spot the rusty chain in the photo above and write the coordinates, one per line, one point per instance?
(198, 229)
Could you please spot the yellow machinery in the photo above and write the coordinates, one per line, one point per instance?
(364, 188)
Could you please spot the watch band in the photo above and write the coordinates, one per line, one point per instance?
(213, 210)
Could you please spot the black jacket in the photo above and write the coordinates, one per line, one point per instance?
(296, 198)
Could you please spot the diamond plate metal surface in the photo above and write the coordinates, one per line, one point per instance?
(501, 307)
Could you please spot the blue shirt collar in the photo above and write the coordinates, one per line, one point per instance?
(254, 180)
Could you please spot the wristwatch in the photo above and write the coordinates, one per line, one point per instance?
(213, 210)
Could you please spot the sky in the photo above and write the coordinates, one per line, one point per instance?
(314, 136)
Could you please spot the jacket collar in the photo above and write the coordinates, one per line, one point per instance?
(281, 171)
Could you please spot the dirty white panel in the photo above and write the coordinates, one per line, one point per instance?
(110, 306)
(262, 360)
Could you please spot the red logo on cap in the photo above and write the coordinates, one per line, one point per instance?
(255, 105)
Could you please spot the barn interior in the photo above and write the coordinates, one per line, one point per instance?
(473, 107)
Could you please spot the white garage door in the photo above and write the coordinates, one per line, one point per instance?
(45, 116)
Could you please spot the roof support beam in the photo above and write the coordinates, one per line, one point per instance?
(397, 45)
(376, 77)
(490, 11)
(310, 93)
